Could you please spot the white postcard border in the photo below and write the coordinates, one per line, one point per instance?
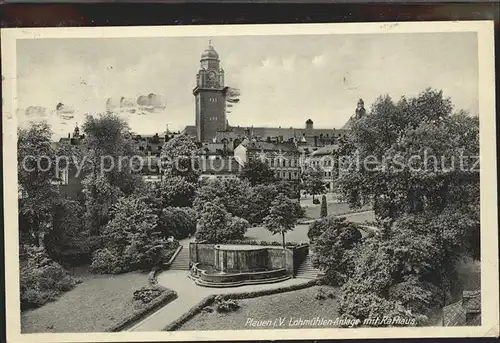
(488, 182)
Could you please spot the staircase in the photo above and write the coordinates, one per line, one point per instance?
(181, 261)
(306, 270)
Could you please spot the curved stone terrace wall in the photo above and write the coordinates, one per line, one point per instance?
(213, 278)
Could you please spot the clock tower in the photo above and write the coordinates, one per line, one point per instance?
(210, 95)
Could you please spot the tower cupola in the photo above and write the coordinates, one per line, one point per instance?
(309, 124)
(210, 58)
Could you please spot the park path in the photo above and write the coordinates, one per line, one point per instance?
(190, 294)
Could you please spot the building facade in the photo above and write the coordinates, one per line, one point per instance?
(324, 158)
(283, 158)
(287, 151)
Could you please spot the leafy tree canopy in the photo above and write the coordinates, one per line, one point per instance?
(282, 216)
(257, 172)
(179, 158)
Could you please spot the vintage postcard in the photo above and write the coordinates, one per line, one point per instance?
(250, 182)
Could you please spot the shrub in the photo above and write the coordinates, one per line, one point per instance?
(316, 201)
(104, 261)
(370, 305)
(144, 309)
(324, 208)
(320, 294)
(333, 248)
(42, 280)
(147, 294)
(223, 305)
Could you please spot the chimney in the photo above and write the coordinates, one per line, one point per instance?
(69, 135)
(315, 141)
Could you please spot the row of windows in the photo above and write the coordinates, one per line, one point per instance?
(206, 177)
(283, 163)
(286, 174)
(325, 163)
(212, 118)
(148, 148)
(213, 100)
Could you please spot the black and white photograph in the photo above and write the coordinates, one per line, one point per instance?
(250, 182)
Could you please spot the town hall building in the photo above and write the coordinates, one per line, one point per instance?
(229, 145)
(211, 124)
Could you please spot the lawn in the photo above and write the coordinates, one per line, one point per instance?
(287, 306)
(93, 305)
(299, 233)
(259, 233)
(314, 211)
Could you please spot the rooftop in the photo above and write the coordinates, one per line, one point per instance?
(465, 312)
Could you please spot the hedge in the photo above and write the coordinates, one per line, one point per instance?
(167, 296)
(207, 301)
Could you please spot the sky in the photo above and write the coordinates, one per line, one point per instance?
(284, 80)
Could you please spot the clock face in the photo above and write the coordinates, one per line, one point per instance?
(211, 75)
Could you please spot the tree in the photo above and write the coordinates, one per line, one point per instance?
(109, 153)
(324, 209)
(287, 188)
(425, 189)
(257, 172)
(36, 161)
(260, 199)
(282, 216)
(68, 232)
(132, 239)
(312, 180)
(179, 158)
(176, 191)
(216, 225)
(332, 248)
(177, 222)
(235, 229)
(233, 194)
(406, 156)
(404, 267)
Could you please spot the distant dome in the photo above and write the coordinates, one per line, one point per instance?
(309, 121)
(210, 53)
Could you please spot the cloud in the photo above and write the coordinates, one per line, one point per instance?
(151, 102)
(36, 112)
(319, 60)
